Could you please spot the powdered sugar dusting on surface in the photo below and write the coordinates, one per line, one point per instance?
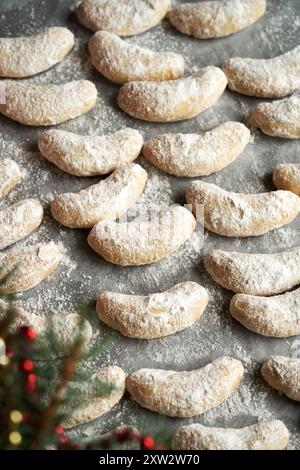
(82, 274)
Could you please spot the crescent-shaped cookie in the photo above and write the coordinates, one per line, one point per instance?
(185, 394)
(279, 118)
(90, 155)
(265, 78)
(155, 315)
(255, 274)
(213, 19)
(266, 435)
(19, 220)
(197, 155)
(242, 215)
(287, 176)
(23, 268)
(65, 329)
(106, 200)
(95, 403)
(276, 316)
(26, 56)
(137, 243)
(46, 105)
(283, 374)
(125, 18)
(122, 62)
(10, 176)
(173, 100)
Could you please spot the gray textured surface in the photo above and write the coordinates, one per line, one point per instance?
(83, 274)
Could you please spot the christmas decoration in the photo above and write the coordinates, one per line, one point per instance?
(34, 392)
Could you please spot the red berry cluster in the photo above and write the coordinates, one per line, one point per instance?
(128, 434)
(27, 365)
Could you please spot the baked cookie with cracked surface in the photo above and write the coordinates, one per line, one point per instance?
(107, 200)
(255, 274)
(10, 176)
(95, 403)
(47, 105)
(265, 78)
(125, 18)
(19, 220)
(27, 56)
(194, 155)
(143, 242)
(287, 176)
(25, 267)
(242, 215)
(173, 100)
(185, 394)
(155, 315)
(276, 316)
(121, 62)
(211, 19)
(269, 434)
(283, 374)
(90, 155)
(278, 119)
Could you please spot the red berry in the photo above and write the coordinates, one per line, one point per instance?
(9, 353)
(59, 429)
(31, 333)
(121, 435)
(30, 388)
(27, 332)
(147, 443)
(28, 365)
(32, 378)
(63, 439)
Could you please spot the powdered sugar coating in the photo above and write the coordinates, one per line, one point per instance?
(107, 200)
(19, 220)
(143, 242)
(94, 406)
(90, 155)
(283, 374)
(266, 78)
(280, 118)
(10, 176)
(185, 394)
(125, 18)
(122, 62)
(64, 328)
(255, 274)
(155, 315)
(27, 56)
(197, 155)
(45, 105)
(265, 435)
(27, 266)
(277, 316)
(242, 215)
(287, 176)
(215, 19)
(173, 100)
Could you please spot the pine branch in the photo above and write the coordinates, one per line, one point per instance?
(48, 415)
